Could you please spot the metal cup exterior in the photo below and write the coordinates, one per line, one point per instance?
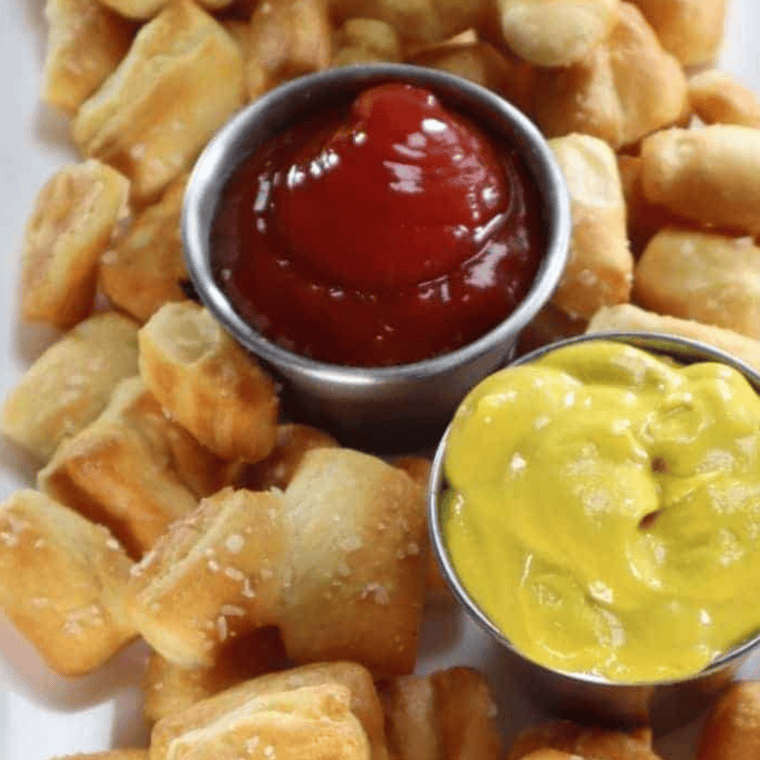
(663, 705)
(407, 404)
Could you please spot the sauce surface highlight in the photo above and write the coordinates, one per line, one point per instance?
(604, 510)
(383, 232)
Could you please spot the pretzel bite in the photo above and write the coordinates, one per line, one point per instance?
(70, 384)
(691, 31)
(446, 714)
(61, 582)
(595, 743)
(624, 89)
(627, 318)
(286, 39)
(216, 573)
(312, 722)
(732, 728)
(358, 549)
(169, 689)
(132, 469)
(599, 271)
(143, 270)
(206, 382)
(556, 33)
(707, 174)
(549, 325)
(277, 470)
(86, 41)
(157, 110)
(702, 276)
(365, 40)
(363, 703)
(717, 97)
(76, 216)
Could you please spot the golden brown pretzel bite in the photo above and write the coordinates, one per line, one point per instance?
(365, 40)
(732, 727)
(717, 97)
(62, 581)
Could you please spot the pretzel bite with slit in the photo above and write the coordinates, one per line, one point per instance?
(357, 536)
(208, 383)
(143, 270)
(703, 276)
(556, 32)
(86, 41)
(600, 268)
(286, 39)
(76, 216)
(691, 31)
(170, 689)
(365, 40)
(627, 87)
(70, 384)
(363, 702)
(628, 318)
(62, 581)
(718, 97)
(215, 574)
(708, 174)
(133, 469)
(449, 714)
(732, 728)
(152, 116)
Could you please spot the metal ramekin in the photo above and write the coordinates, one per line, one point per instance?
(407, 404)
(588, 698)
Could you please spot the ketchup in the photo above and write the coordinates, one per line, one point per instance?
(380, 233)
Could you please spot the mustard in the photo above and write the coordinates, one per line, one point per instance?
(604, 510)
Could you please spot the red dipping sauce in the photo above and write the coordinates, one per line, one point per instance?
(383, 232)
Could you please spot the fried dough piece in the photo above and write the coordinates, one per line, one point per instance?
(707, 174)
(62, 580)
(600, 269)
(358, 579)
(365, 40)
(732, 728)
(596, 743)
(86, 41)
(448, 715)
(287, 38)
(170, 689)
(277, 470)
(549, 325)
(363, 703)
(313, 722)
(691, 31)
(717, 97)
(158, 109)
(76, 216)
(133, 469)
(556, 32)
(208, 383)
(216, 574)
(627, 318)
(112, 754)
(626, 88)
(703, 276)
(71, 383)
(143, 270)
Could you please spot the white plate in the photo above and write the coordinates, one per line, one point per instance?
(41, 714)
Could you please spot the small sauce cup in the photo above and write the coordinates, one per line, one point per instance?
(390, 408)
(663, 705)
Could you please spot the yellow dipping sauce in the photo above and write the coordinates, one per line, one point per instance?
(604, 510)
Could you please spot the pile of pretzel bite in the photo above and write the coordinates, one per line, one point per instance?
(278, 577)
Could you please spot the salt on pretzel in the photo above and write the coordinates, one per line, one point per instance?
(62, 580)
(363, 702)
(70, 384)
(152, 116)
(208, 383)
(133, 469)
(76, 216)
